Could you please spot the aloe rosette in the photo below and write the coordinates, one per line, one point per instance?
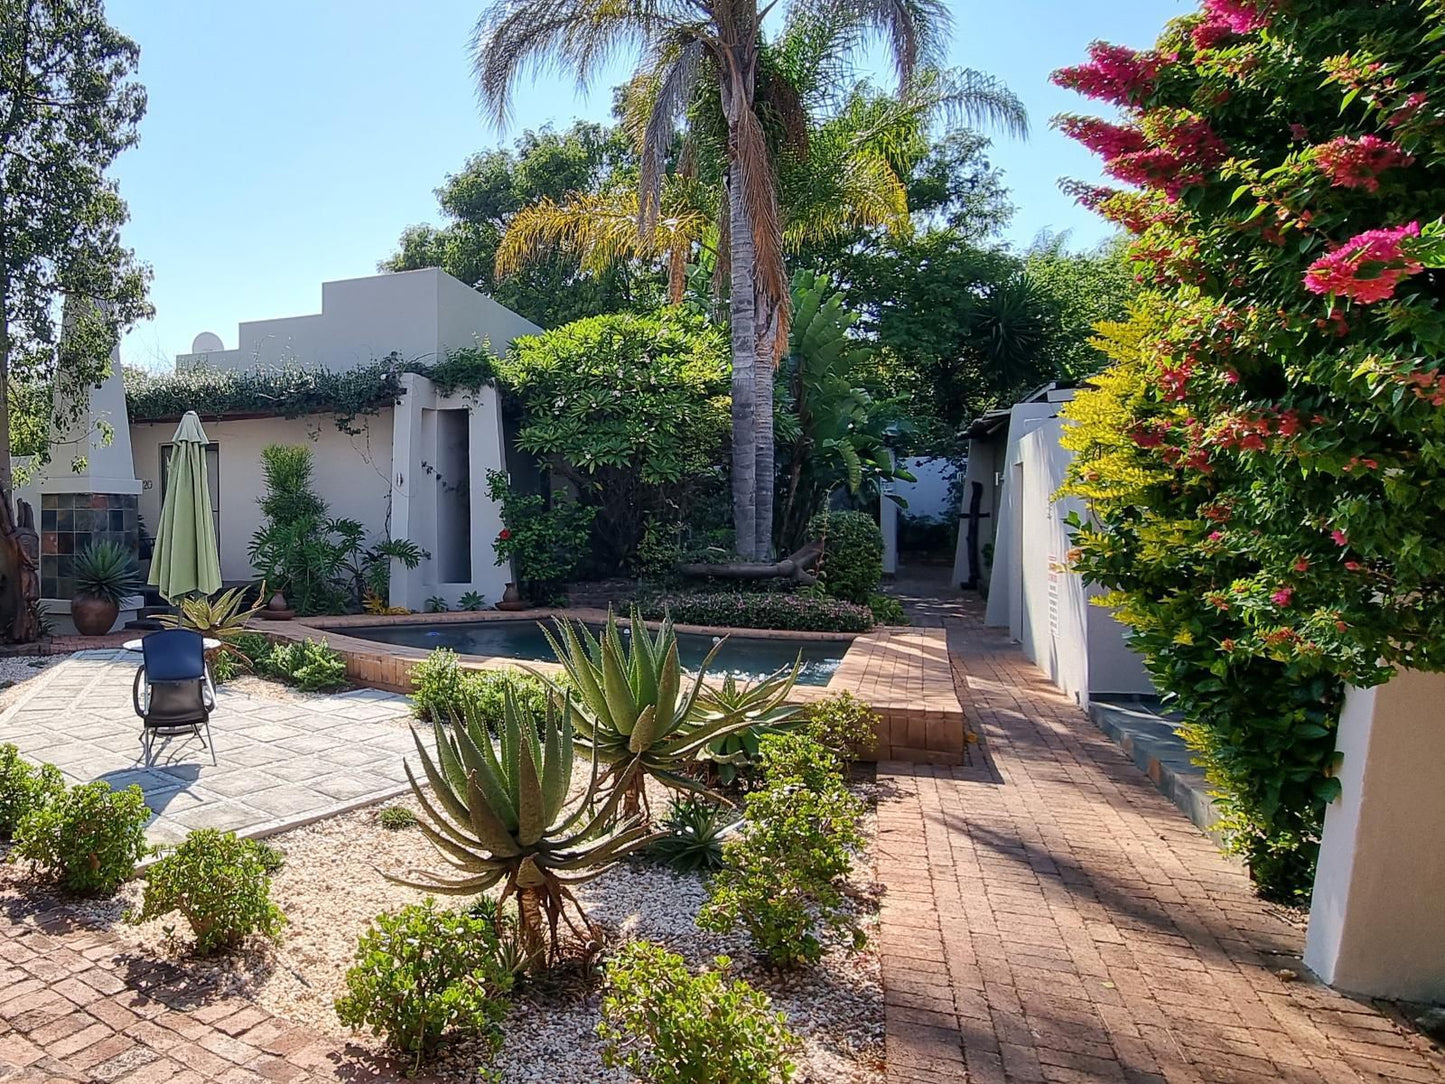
(498, 811)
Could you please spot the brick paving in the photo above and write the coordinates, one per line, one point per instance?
(77, 1005)
(1049, 916)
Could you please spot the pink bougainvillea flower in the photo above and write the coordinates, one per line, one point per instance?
(1101, 137)
(1367, 267)
(1353, 566)
(1209, 34)
(1302, 564)
(1339, 537)
(1358, 163)
(1282, 596)
(1414, 105)
(1240, 16)
(1114, 73)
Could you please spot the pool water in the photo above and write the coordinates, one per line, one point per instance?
(745, 657)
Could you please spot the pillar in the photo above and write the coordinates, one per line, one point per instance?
(1377, 918)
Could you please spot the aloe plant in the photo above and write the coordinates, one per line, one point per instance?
(223, 618)
(761, 705)
(498, 812)
(633, 713)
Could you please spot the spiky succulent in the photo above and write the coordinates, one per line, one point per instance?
(761, 704)
(633, 713)
(498, 812)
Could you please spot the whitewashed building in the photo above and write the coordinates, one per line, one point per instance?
(416, 470)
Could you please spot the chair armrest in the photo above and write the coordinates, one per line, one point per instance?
(141, 707)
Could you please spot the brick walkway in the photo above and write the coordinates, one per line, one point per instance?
(77, 1005)
(1049, 916)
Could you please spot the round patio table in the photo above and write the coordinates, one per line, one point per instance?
(210, 643)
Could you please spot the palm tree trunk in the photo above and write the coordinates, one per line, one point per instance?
(744, 342)
(767, 329)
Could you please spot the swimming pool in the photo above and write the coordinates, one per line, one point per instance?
(745, 657)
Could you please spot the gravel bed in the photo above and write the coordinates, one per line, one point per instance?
(332, 885)
(17, 670)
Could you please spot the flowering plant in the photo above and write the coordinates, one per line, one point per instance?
(1265, 459)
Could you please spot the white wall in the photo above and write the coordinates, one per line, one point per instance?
(928, 496)
(1046, 607)
(419, 314)
(1377, 916)
(352, 473)
(420, 500)
(1004, 576)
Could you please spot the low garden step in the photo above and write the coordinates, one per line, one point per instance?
(1149, 738)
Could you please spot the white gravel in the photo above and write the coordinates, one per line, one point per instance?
(333, 884)
(17, 670)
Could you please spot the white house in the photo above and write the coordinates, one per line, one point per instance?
(417, 470)
(1013, 542)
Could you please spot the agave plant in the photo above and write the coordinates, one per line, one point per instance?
(498, 813)
(632, 712)
(760, 705)
(223, 618)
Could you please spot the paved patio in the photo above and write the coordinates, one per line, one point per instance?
(1050, 916)
(278, 762)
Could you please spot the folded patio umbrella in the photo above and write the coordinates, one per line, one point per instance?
(185, 560)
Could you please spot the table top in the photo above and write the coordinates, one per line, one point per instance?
(211, 643)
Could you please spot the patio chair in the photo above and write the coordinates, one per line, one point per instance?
(173, 690)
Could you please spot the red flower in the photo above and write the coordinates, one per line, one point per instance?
(1282, 596)
(1302, 565)
(1339, 537)
(1376, 252)
(1357, 163)
(1114, 73)
(1240, 16)
(504, 535)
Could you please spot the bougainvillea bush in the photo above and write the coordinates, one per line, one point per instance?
(1265, 460)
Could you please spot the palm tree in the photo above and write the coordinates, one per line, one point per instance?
(683, 44)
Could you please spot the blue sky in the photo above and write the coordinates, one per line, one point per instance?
(290, 143)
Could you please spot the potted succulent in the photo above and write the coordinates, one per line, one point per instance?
(105, 576)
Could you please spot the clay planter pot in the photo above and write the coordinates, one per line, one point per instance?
(276, 609)
(512, 599)
(93, 616)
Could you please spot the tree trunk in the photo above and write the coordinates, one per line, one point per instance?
(17, 617)
(767, 329)
(531, 926)
(744, 342)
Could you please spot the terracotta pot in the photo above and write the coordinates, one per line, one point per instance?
(93, 616)
(277, 602)
(276, 609)
(512, 599)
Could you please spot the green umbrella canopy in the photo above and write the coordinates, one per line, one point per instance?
(185, 560)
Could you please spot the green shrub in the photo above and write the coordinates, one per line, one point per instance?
(783, 875)
(759, 610)
(422, 972)
(219, 884)
(441, 686)
(665, 1025)
(693, 835)
(887, 610)
(544, 540)
(24, 788)
(842, 724)
(272, 857)
(255, 646)
(852, 564)
(90, 837)
(394, 818)
(310, 665)
(438, 685)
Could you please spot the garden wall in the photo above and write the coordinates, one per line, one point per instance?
(353, 473)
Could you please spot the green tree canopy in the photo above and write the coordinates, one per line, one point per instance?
(479, 201)
(68, 107)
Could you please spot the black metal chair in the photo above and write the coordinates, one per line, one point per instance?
(173, 690)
